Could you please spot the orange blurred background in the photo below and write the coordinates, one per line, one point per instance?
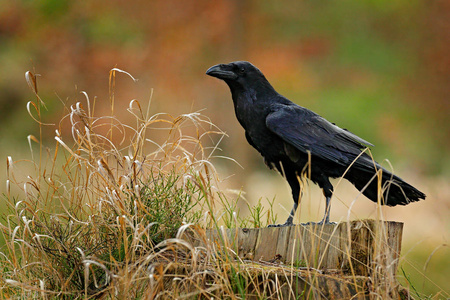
(378, 68)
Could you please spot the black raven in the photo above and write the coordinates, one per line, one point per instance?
(298, 142)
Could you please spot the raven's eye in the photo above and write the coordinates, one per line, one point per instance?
(242, 70)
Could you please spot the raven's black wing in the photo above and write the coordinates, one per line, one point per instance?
(307, 131)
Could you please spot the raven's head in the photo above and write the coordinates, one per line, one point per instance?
(239, 75)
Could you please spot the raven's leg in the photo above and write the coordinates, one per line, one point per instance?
(289, 220)
(293, 181)
(327, 188)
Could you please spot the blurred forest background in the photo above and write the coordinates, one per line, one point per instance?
(379, 68)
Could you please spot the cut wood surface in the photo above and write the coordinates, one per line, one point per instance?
(354, 248)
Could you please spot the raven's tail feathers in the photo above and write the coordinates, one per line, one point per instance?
(395, 190)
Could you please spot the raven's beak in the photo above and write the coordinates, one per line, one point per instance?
(221, 72)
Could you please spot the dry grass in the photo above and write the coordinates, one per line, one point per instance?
(98, 212)
(112, 210)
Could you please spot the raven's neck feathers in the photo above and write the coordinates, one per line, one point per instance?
(258, 89)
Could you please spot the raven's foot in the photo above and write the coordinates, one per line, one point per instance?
(320, 223)
(281, 225)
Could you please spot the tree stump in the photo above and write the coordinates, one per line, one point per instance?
(365, 249)
(353, 248)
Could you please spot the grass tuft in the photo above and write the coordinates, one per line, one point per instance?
(99, 212)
